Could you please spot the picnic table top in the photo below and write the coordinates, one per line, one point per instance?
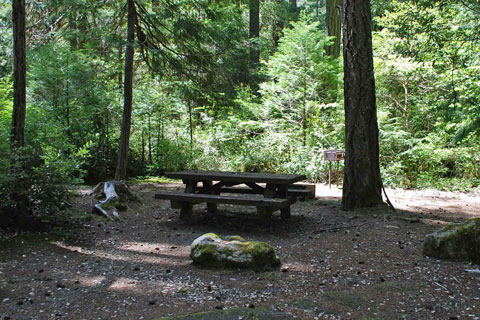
(244, 177)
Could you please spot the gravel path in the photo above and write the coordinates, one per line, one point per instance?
(336, 264)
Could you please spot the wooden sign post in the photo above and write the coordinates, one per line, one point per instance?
(333, 155)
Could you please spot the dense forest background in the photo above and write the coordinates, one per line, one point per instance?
(208, 95)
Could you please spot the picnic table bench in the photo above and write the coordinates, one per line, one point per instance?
(276, 191)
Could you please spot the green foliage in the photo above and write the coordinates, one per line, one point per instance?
(423, 163)
(303, 80)
(427, 79)
(194, 106)
(171, 157)
(5, 38)
(36, 185)
(6, 104)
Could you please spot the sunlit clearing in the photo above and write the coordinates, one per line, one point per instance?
(299, 267)
(158, 286)
(90, 281)
(125, 284)
(167, 258)
(155, 248)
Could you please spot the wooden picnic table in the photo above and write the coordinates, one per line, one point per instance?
(276, 190)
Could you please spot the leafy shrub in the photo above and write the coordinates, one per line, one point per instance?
(36, 187)
(427, 163)
(170, 157)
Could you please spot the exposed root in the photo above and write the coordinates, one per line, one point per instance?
(117, 195)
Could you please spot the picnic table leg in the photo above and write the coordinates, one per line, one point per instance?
(282, 193)
(186, 207)
(207, 186)
(266, 212)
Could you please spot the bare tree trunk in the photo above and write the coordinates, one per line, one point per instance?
(362, 183)
(333, 27)
(159, 134)
(254, 12)
(19, 74)
(293, 6)
(150, 156)
(121, 171)
(190, 123)
(143, 147)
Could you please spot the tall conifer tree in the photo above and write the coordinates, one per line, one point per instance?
(362, 184)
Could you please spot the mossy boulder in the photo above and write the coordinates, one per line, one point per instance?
(214, 251)
(460, 242)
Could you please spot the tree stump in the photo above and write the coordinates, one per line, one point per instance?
(116, 194)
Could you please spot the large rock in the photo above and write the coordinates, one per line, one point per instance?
(214, 251)
(460, 242)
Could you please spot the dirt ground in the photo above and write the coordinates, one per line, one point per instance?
(335, 264)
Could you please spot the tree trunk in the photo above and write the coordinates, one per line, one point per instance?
(150, 156)
(73, 27)
(121, 171)
(143, 147)
(278, 25)
(19, 74)
(190, 123)
(293, 6)
(333, 27)
(254, 10)
(362, 183)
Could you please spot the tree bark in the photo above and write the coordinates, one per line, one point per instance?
(150, 156)
(19, 74)
(254, 14)
(293, 6)
(333, 27)
(121, 170)
(362, 183)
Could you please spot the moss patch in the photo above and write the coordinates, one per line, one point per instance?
(214, 251)
(349, 299)
(460, 242)
(234, 314)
